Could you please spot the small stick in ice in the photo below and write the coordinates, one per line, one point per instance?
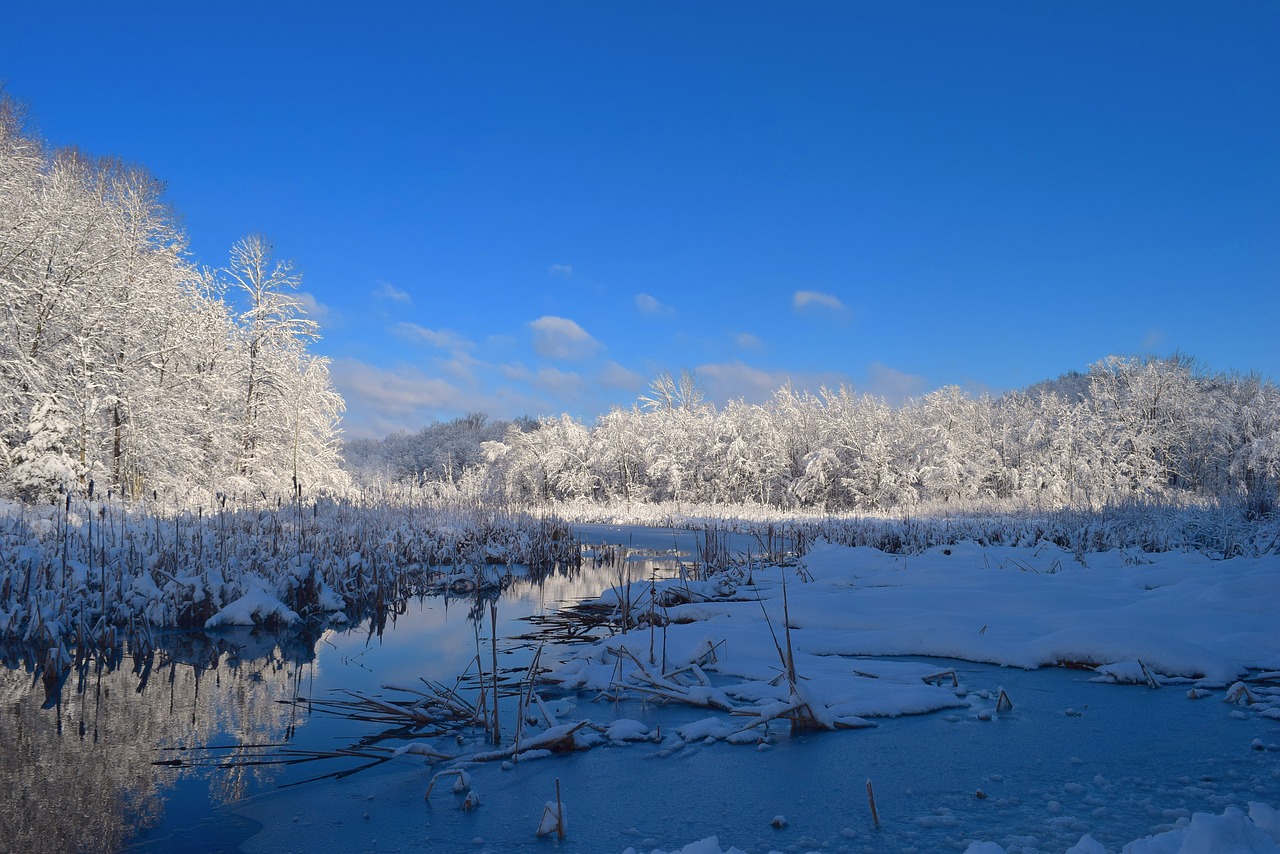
(1003, 703)
(559, 812)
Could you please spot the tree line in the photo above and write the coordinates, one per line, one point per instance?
(122, 363)
(1135, 427)
(440, 453)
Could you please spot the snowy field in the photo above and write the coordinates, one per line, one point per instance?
(917, 673)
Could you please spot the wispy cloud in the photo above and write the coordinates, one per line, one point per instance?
(444, 338)
(893, 385)
(561, 338)
(388, 291)
(616, 376)
(312, 307)
(515, 371)
(747, 341)
(812, 300)
(562, 384)
(380, 400)
(726, 381)
(564, 271)
(732, 380)
(652, 306)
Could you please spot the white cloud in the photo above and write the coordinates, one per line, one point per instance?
(726, 381)
(313, 308)
(809, 300)
(563, 270)
(516, 371)
(546, 391)
(747, 341)
(380, 400)
(388, 291)
(616, 376)
(462, 366)
(893, 385)
(651, 305)
(562, 384)
(443, 338)
(561, 338)
(732, 380)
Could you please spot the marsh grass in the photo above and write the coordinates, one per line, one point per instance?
(92, 572)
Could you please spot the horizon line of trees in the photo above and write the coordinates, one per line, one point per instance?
(1137, 427)
(123, 364)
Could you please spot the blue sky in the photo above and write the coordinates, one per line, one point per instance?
(530, 208)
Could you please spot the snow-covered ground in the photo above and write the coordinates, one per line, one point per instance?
(1161, 735)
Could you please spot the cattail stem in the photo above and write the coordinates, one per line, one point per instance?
(559, 812)
(871, 799)
(493, 624)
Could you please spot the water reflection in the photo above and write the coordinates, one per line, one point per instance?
(95, 752)
(79, 756)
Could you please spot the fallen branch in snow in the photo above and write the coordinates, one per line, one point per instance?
(461, 784)
(561, 739)
(1240, 694)
(643, 680)
(939, 677)
(710, 698)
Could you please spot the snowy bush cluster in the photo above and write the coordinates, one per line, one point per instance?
(120, 362)
(1132, 427)
(84, 574)
(440, 453)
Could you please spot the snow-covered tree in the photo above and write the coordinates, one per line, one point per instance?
(667, 392)
(121, 364)
(274, 332)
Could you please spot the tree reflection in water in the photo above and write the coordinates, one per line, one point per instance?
(79, 750)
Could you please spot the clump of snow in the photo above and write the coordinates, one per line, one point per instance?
(625, 729)
(707, 729)
(1126, 673)
(258, 605)
(554, 819)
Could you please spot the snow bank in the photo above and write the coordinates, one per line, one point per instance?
(257, 606)
(1233, 832)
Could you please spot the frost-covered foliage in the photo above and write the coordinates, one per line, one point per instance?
(123, 364)
(86, 573)
(1141, 427)
(443, 453)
